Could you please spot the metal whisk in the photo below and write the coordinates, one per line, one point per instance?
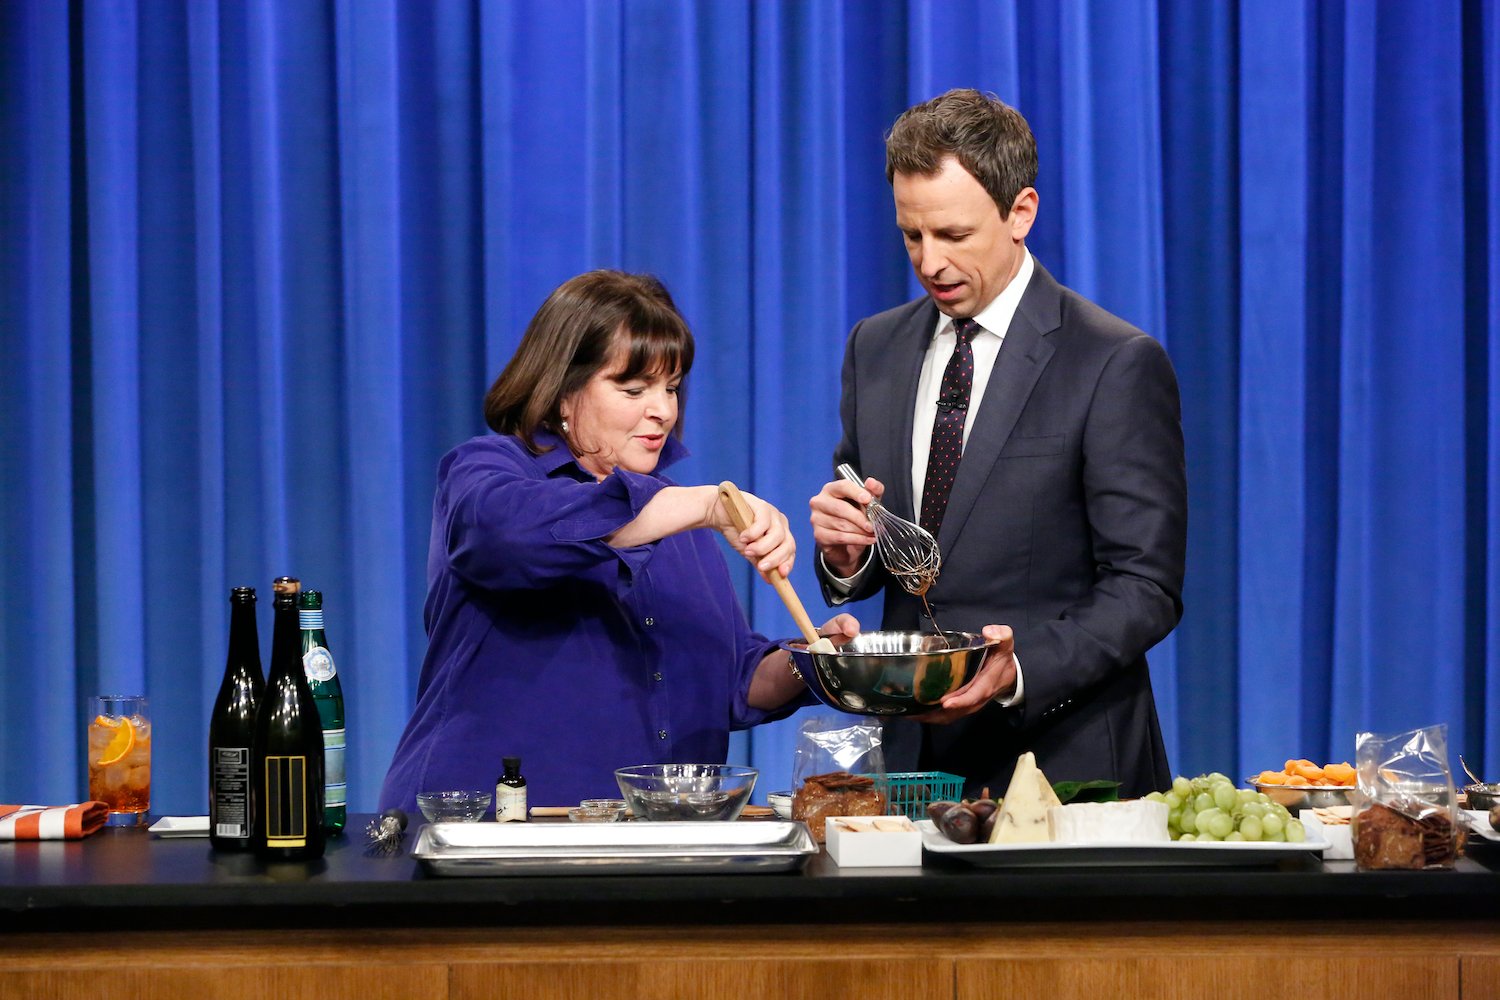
(908, 551)
(385, 832)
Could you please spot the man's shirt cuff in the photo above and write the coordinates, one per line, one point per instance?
(1016, 696)
(843, 586)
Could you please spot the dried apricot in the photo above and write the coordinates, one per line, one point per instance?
(1339, 774)
(1310, 773)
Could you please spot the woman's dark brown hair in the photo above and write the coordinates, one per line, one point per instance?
(575, 334)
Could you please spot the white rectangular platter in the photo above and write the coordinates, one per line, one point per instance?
(612, 848)
(1122, 854)
(181, 826)
(1479, 823)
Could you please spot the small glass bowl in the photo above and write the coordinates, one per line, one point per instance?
(598, 811)
(780, 803)
(455, 806)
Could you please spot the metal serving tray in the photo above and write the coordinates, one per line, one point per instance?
(634, 848)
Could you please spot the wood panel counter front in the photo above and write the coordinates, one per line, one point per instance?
(125, 915)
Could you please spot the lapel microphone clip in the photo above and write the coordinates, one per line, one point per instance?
(952, 400)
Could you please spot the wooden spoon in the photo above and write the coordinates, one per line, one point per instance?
(739, 513)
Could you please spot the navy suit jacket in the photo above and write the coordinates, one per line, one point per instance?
(1067, 522)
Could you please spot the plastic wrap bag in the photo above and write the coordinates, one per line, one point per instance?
(1405, 811)
(838, 769)
(837, 743)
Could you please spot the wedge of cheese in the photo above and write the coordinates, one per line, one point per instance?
(1023, 811)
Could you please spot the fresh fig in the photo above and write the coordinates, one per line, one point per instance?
(987, 827)
(983, 808)
(959, 825)
(935, 810)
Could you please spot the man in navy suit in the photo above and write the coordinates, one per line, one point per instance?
(1041, 438)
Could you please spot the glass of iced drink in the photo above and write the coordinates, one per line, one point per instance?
(120, 757)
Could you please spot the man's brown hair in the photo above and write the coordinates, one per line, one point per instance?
(988, 138)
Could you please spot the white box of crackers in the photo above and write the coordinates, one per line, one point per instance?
(873, 841)
(1335, 823)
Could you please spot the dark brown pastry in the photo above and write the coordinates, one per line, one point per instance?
(1412, 836)
(1386, 839)
(837, 793)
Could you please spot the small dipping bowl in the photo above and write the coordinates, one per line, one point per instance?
(598, 811)
(454, 807)
(780, 803)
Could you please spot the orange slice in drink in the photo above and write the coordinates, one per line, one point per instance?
(120, 743)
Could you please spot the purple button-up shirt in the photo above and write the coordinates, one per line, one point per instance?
(546, 643)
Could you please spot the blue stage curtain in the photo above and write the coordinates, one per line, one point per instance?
(260, 259)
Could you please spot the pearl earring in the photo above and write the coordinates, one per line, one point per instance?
(565, 427)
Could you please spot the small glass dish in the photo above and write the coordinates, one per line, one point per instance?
(598, 811)
(455, 806)
(780, 803)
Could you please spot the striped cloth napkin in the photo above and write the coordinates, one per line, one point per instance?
(51, 822)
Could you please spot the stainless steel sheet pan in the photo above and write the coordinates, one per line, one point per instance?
(635, 848)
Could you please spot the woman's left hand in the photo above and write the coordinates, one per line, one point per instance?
(840, 629)
(774, 685)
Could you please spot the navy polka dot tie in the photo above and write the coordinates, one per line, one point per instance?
(948, 428)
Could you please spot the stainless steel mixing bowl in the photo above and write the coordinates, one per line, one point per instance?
(890, 673)
(1482, 795)
(1295, 797)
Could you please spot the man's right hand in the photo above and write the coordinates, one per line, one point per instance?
(841, 530)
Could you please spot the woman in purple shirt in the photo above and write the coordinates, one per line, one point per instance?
(577, 614)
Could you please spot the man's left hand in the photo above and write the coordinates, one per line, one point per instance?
(996, 677)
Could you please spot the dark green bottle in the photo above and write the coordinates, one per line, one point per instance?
(231, 728)
(323, 678)
(288, 754)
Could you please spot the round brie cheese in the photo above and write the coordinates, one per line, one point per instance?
(1137, 821)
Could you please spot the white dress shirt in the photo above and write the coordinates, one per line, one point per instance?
(994, 321)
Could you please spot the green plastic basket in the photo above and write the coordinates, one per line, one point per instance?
(909, 794)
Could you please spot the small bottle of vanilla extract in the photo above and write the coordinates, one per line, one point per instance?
(510, 793)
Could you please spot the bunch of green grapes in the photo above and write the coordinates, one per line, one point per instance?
(1209, 807)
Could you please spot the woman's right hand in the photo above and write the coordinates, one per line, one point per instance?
(767, 543)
